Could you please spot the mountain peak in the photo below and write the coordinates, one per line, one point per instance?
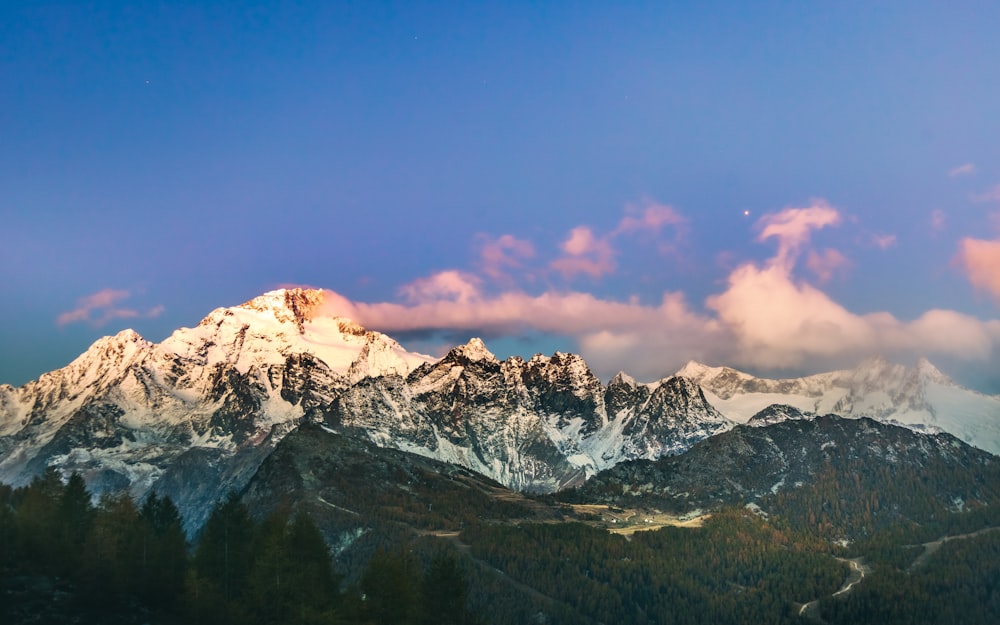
(288, 305)
(622, 378)
(928, 371)
(693, 369)
(475, 350)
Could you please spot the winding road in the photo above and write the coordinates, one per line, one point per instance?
(859, 569)
(858, 572)
(934, 545)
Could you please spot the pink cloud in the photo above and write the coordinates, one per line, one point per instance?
(613, 335)
(792, 227)
(652, 218)
(100, 308)
(962, 170)
(884, 241)
(826, 264)
(981, 262)
(585, 253)
(448, 286)
(778, 322)
(504, 253)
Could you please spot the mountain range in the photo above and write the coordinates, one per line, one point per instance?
(196, 415)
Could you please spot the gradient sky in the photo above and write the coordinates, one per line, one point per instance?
(787, 187)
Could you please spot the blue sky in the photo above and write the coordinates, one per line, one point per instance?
(544, 176)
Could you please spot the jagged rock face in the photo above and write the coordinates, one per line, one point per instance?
(306, 381)
(538, 425)
(675, 416)
(468, 409)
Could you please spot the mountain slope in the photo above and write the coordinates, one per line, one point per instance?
(853, 475)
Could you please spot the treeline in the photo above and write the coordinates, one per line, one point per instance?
(856, 499)
(120, 561)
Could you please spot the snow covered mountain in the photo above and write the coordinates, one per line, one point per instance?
(193, 414)
(919, 397)
(193, 417)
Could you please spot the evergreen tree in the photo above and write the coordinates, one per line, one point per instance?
(112, 555)
(217, 587)
(444, 592)
(225, 550)
(389, 585)
(8, 527)
(39, 545)
(75, 517)
(164, 551)
(293, 579)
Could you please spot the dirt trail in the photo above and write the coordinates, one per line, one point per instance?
(858, 572)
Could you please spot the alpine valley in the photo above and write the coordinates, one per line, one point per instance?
(535, 474)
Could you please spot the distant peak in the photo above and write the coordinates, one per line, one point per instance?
(128, 334)
(699, 372)
(928, 371)
(622, 378)
(475, 350)
(693, 369)
(124, 337)
(288, 305)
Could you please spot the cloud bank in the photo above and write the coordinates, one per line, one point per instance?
(766, 316)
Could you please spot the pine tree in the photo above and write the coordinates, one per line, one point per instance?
(164, 551)
(75, 517)
(389, 585)
(225, 551)
(111, 566)
(37, 521)
(444, 592)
